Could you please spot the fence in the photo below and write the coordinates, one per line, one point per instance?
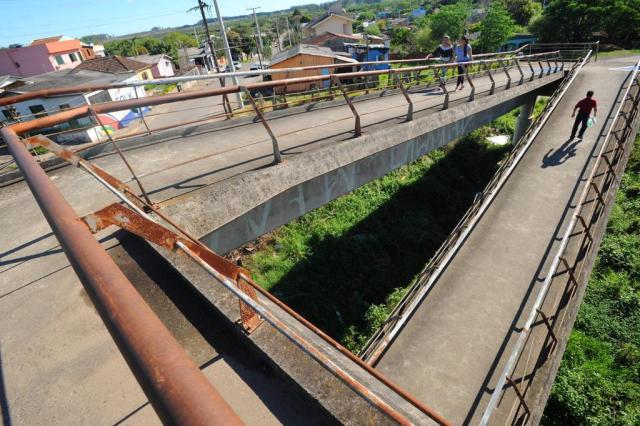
(578, 243)
(378, 343)
(134, 216)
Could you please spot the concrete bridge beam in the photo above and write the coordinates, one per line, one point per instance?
(524, 119)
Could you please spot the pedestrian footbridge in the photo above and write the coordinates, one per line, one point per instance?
(477, 339)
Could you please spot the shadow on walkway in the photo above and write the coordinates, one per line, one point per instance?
(561, 155)
(4, 404)
(345, 274)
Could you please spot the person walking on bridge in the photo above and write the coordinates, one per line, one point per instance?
(584, 108)
(463, 54)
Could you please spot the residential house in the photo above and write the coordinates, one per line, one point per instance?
(418, 13)
(338, 42)
(84, 129)
(98, 50)
(41, 56)
(189, 57)
(369, 53)
(118, 64)
(304, 55)
(161, 65)
(329, 22)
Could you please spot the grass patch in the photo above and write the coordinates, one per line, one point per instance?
(599, 379)
(346, 264)
(618, 53)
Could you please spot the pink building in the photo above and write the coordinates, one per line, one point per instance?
(41, 56)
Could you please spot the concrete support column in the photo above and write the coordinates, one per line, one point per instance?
(524, 119)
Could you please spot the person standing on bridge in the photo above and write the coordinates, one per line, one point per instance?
(463, 54)
(584, 108)
(444, 53)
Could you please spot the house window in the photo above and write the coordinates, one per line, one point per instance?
(73, 123)
(72, 56)
(100, 97)
(38, 111)
(59, 60)
(7, 114)
(145, 76)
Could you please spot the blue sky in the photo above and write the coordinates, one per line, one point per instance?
(23, 21)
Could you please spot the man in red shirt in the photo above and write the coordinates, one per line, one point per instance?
(584, 107)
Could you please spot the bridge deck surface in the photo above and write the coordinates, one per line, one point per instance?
(55, 353)
(457, 340)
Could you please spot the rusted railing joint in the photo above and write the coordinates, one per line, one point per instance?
(406, 97)
(357, 129)
(277, 155)
(177, 390)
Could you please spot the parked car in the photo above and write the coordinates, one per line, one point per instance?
(237, 65)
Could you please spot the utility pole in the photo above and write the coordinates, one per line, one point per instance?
(259, 55)
(255, 18)
(288, 31)
(232, 68)
(278, 35)
(202, 5)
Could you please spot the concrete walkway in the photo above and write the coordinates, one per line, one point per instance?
(457, 340)
(58, 364)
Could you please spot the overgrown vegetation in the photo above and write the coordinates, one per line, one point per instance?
(599, 379)
(345, 265)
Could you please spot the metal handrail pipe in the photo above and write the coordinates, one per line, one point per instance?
(26, 126)
(178, 391)
(412, 304)
(519, 346)
(84, 88)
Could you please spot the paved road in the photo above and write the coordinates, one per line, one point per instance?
(162, 116)
(58, 363)
(457, 340)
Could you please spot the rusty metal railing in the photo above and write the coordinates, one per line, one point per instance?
(235, 279)
(182, 79)
(592, 208)
(380, 340)
(176, 388)
(134, 217)
(488, 66)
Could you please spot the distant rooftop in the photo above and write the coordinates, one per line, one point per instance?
(65, 78)
(149, 59)
(112, 64)
(50, 40)
(308, 49)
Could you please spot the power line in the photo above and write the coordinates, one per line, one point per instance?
(84, 21)
(62, 30)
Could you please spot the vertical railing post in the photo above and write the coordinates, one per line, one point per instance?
(504, 68)
(472, 95)
(274, 141)
(358, 129)
(443, 85)
(533, 72)
(487, 67)
(517, 62)
(121, 154)
(141, 112)
(406, 96)
(541, 68)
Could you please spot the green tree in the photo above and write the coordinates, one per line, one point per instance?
(367, 16)
(372, 29)
(569, 21)
(402, 40)
(496, 28)
(520, 10)
(449, 20)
